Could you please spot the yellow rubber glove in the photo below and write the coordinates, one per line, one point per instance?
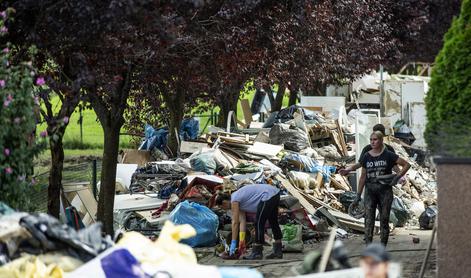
(242, 246)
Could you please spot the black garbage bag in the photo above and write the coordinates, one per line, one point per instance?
(289, 202)
(271, 120)
(357, 211)
(392, 219)
(400, 212)
(48, 234)
(347, 198)
(287, 113)
(428, 217)
(293, 139)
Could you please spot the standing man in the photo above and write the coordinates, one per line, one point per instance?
(264, 200)
(377, 179)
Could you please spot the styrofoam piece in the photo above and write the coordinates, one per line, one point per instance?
(137, 201)
(124, 173)
(327, 103)
(264, 149)
(210, 178)
(267, 163)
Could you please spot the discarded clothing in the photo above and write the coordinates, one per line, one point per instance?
(48, 234)
(203, 162)
(428, 217)
(307, 164)
(247, 167)
(189, 129)
(154, 138)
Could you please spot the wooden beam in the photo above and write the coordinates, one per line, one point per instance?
(342, 138)
(244, 103)
(295, 192)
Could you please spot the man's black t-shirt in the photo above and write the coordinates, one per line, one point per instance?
(379, 165)
(368, 148)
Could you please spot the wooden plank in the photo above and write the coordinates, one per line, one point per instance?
(319, 179)
(138, 157)
(294, 191)
(338, 185)
(352, 225)
(242, 124)
(307, 202)
(342, 137)
(88, 201)
(244, 103)
(336, 213)
(336, 138)
(313, 108)
(318, 203)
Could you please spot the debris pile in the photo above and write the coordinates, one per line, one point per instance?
(298, 151)
(40, 246)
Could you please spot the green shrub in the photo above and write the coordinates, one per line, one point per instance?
(17, 124)
(448, 101)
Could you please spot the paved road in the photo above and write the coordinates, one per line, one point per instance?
(401, 247)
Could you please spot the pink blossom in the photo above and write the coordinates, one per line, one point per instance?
(6, 50)
(6, 103)
(3, 14)
(8, 170)
(3, 30)
(66, 120)
(43, 134)
(6, 151)
(40, 81)
(33, 181)
(2, 83)
(17, 120)
(9, 97)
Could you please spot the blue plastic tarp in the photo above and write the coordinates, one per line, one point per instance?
(157, 138)
(189, 129)
(204, 220)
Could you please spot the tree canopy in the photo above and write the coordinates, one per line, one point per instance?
(169, 55)
(448, 100)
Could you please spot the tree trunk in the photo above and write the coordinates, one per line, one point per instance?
(279, 97)
(228, 103)
(55, 173)
(270, 96)
(318, 89)
(293, 97)
(108, 177)
(176, 104)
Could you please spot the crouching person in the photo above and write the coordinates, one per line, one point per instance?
(262, 199)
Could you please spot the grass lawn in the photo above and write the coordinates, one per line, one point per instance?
(92, 133)
(92, 140)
